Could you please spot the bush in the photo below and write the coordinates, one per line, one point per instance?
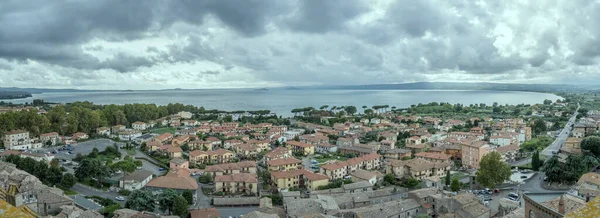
(124, 192)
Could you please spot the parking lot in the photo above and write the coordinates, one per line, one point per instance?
(84, 148)
(493, 200)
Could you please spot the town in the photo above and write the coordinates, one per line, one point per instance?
(427, 160)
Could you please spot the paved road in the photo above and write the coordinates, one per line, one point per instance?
(235, 211)
(85, 148)
(87, 191)
(202, 201)
(557, 144)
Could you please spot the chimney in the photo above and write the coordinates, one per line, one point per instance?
(561, 205)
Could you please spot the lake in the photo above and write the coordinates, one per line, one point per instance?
(282, 101)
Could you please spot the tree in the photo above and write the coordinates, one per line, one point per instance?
(552, 169)
(206, 178)
(180, 206)
(539, 126)
(166, 200)
(189, 196)
(448, 178)
(535, 161)
(547, 101)
(492, 170)
(140, 200)
(455, 186)
(350, 110)
(92, 168)
(389, 178)
(68, 180)
(592, 145)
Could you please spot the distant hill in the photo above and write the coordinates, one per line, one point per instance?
(465, 86)
(6, 94)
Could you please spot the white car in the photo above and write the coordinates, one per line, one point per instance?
(120, 198)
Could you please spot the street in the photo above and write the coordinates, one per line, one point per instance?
(555, 146)
(235, 211)
(87, 191)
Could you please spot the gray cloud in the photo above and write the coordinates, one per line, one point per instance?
(304, 41)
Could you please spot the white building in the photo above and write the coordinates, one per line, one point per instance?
(135, 181)
(129, 134)
(17, 140)
(52, 137)
(501, 140)
(375, 121)
(139, 126)
(185, 115)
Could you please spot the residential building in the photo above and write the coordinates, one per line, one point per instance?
(215, 157)
(300, 178)
(178, 180)
(277, 153)
(556, 207)
(35, 156)
(325, 148)
(163, 138)
(178, 163)
(583, 129)
(300, 147)
(588, 186)
(387, 145)
(136, 180)
(473, 151)
(205, 213)
(104, 131)
(139, 126)
(231, 168)
(129, 134)
(571, 146)
(174, 152)
(433, 157)
(50, 138)
(396, 154)
(180, 140)
(344, 141)
(402, 208)
(363, 175)
(17, 140)
(185, 115)
(358, 150)
(245, 183)
(340, 169)
(502, 140)
(200, 145)
(117, 128)
(461, 205)
(417, 168)
(509, 152)
(284, 164)
(414, 140)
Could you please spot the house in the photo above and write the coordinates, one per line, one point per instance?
(135, 181)
(299, 147)
(17, 140)
(129, 134)
(153, 145)
(363, 175)
(184, 115)
(245, 183)
(357, 150)
(185, 132)
(79, 136)
(583, 129)
(413, 140)
(343, 142)
(415, 148)
(174, 152)
(231, 168)
(299, 178)
(338, 170)
(401, 208)
(180, 140)
(163, 138)
(178, 180)
(417, 168)
(325, 148)
(178, 163)
(205, 213)
(396, 154)
(105, 131)
(358, 187)
(501, 140)
(571, 146)
(139, 126)
(215, 157)
(230, 143)
(50, 138)
(190, 122)
(509, 152)
(387, 145)
(277, 153)
(433, 157)
(284, 164)
(473, 151)
(35, 156)
(200, 145)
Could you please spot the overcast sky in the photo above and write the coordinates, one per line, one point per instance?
(154, 44)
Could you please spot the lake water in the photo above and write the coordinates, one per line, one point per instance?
(283, 101)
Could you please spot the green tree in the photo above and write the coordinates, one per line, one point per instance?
(448, 178)
(92, 168)
(552, 169)
(350, 110)
(140, 200)
(591, 144)
(67, 180)
(539, 126)
(189, 196)
(166, 200)
(455, 186)
(180, 206)
(206, 178)
(492, 170)
(535, 161)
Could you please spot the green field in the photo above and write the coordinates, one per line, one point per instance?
(164, 130)
(322, 159)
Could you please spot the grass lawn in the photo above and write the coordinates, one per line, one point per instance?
(164, 130)
(130, 152)
(322, 159)
(458, 175)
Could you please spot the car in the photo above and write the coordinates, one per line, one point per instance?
(513, 195)
(523, 177)
(118, 171)
(545, 178)
(511, 198)
(488, 191)
(486, 197)
(161, 169)
(139, 168)
(120, 198)
(347, 177)
(496, 190)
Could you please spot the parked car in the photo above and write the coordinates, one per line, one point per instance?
(120, 198)
(347, 177)
(161, 169)
(488, 191)
(523, 177)
(486, 197)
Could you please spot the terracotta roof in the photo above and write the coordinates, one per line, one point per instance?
(174, 180)
(230, 166)
(591, 209)
(298, 144)
(591, 177)
(504, 149)
(287, 174)
(164, 136)
(205, 213)
(49, 134)
(217, 152)
(363, 174)
(238, 177)
(314, 176)
(571, 203)
(431, 155)
(138, 123)
(283, 161)
(175, 149)
(278, 151)
(16, 132)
